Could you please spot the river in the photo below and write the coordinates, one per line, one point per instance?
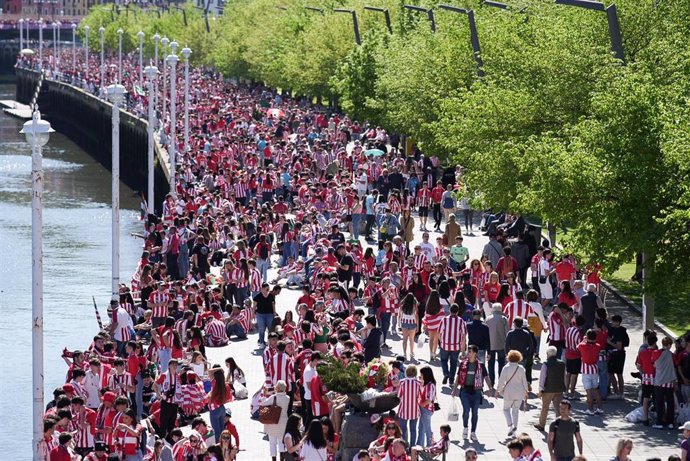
(76, 233)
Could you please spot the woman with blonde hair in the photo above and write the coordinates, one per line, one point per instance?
(623, 450)
(513, 386)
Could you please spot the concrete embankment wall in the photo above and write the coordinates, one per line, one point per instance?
(87, 121)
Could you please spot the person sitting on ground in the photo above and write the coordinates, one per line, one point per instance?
(435, 449)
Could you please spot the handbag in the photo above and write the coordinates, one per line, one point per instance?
(453, 411)
(270, 414)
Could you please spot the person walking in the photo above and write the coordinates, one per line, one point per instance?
(448, 202)
(512, 385)
(276, 431)
(498, 330)
(219, 395)
(452, 334)
(551, 385)
(469, 385)
(522, 340)
(589, 349)
(664, 383)
(562, 432)
(427, 399)
(409, 392)
(479, 335)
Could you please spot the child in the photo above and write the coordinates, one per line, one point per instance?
(437, 448)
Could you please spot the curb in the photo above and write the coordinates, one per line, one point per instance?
(625, 300)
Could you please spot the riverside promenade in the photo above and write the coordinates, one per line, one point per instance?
(600, 434)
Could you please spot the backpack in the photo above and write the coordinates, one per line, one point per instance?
(263, 250)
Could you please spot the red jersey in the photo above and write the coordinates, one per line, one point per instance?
(590, 357)
(452, 333)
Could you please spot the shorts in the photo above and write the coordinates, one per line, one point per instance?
(546, 290)
(647, 391)
(616, 362)
(423, 211)
(408, 326)
(590, 381)
(573, 366)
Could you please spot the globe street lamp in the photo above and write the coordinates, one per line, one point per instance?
(172, 145)
(116, 94)
(151, 75)
(140, 34)
(119, 55)
(37, 133)
(101, 31)
(186, 52)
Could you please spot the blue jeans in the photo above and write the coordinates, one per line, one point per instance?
(603, 378)
(451, 356)
(262, 266)
(356, 218)
(470, 402)
(263, 322)
(413, 430)
(139, 395)
(424, 436)
(385, 324)
(217, 418)
(236, 330)
(496, 356)
(164, 356)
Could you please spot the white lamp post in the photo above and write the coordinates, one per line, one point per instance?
(21, 34)
(172, 145)
(74, 47)
(164, 42)
(57, 60)
(151, 75)
(186, 52)
(101, 31)
(116, 94)
(119, 55)
(86, 49)
(37, 133)
(140, 34)
(55, 50)
(156, 39)
(40, 43)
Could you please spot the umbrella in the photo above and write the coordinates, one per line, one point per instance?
(276, 113)
(375, 153)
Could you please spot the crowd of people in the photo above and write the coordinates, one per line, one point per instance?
(335, 206)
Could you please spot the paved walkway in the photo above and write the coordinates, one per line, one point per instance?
(600, 433)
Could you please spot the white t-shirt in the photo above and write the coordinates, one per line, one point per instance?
(428, 250)
(362, 182)
(309, 453)
(124, 321)
(92, 385)
(309, 373)
(544, 266)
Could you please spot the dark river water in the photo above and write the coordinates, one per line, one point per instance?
(77, 249)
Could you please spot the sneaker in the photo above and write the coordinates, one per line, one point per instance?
(539, 427)
(599, 411)
(385, 346)
(464, 433)
(473, 437)
(412, 356)
(445, 380)
(511, 431)
(590, 412)
(658, 426)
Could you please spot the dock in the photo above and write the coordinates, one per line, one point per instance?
(16, 109)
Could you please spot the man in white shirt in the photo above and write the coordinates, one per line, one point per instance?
(362, 181)
(92, 384)
(427, 247)
(309, 374)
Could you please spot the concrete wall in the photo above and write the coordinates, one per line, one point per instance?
(86, 120)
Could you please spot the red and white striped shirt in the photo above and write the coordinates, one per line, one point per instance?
(241, 189)
(119, 383)
(239, 277)
(424, 197)
(389, 300)
(282, 369)
(299, 335)
(339, 305)
(409, 393)
(556, 327)
(433, 322)
(244, 320)
(428, 393)
(254, 279)
(193, 398)
(452, 333)
(85, 425)
(573, 337)
(215, 333)
(406, 274)
(158, 301)
(419, 260)
(516, 308)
